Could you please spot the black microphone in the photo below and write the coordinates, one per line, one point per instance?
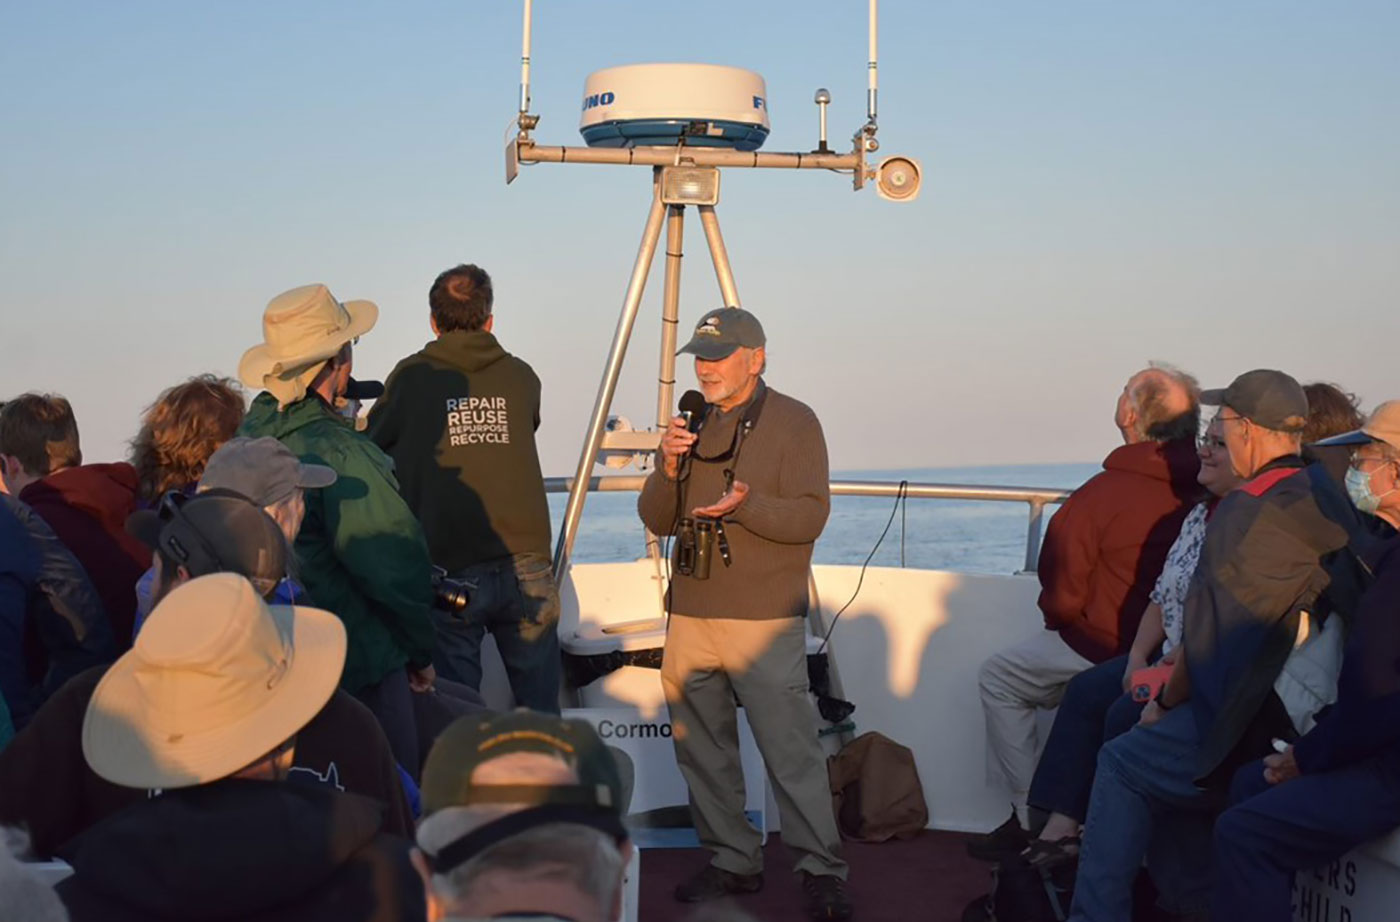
(693, 408)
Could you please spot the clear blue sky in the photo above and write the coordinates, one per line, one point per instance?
(1216, 184)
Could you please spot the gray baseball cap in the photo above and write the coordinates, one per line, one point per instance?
(723, 330)
(1265, 397)
(264, 470)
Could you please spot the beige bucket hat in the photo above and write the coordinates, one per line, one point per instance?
(217, 680)
(301, 329)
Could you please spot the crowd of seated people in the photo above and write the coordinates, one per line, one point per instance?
(239, 619)
(1239, 724)
(245, 600)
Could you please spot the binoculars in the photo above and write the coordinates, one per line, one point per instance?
(694, 547)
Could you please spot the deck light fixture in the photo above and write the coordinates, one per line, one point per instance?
(690, 185)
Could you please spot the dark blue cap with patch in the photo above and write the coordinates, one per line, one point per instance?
(723, 330)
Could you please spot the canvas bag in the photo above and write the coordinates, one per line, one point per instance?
(875, 790)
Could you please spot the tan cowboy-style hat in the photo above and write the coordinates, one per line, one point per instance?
(217, 680)
(301, 328)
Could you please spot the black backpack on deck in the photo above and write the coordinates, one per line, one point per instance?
(1023, 892)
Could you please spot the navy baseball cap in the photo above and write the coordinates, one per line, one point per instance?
(723, 330)
(594, 800)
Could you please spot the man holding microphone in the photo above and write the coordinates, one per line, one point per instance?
(746, 498)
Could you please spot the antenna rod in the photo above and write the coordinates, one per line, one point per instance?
(525, 63)
(872, 92)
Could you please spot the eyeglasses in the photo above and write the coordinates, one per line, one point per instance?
(1209, 443)
(1357, 461)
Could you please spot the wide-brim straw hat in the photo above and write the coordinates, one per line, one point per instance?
(217, 680)
(301, 328)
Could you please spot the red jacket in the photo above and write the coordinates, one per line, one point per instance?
(87, 508)
(1106, 545)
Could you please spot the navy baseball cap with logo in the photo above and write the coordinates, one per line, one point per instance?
(1265, 397)
(723, 330)
(595, 800)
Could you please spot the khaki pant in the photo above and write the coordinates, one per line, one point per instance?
(1014, 684)
(708, 663)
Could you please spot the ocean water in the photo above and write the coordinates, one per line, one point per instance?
(969, 536)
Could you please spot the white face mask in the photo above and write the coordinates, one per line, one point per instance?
(1360, 492)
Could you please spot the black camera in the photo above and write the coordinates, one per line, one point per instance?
(694, 547)
(450, 595)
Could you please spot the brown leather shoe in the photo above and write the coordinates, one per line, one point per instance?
(713, 883)
(826, 897)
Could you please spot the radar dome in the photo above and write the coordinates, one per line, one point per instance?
(656, 105)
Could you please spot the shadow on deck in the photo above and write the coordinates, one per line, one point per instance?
(930, 875)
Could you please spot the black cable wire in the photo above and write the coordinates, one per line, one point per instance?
(903, 523)
(898, 498)
(682, 478)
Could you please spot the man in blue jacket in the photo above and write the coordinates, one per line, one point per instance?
(1338, 785)
(19, 569)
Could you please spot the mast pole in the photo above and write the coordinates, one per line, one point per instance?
(578, 491)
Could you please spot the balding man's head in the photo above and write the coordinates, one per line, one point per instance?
(1159, 404)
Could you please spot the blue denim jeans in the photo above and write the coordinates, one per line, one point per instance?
(516, 600)
(1274, 831)
(1093, 710)
(1146, 805)
(411, 720)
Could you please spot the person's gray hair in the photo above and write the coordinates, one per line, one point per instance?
(578, 855)
(1159, 414)
(24, 896)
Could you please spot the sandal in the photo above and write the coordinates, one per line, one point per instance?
(1048, 853)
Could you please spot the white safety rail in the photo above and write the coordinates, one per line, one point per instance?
(1036, 499)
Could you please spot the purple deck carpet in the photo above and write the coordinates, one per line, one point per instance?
(929, 878)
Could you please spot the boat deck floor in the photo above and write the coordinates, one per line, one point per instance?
(930, 874)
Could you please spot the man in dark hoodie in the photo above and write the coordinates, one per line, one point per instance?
(1103, 552)
(459, 420)
(1338, 785)
(86, 505)
(206, 709)
(1263, 564)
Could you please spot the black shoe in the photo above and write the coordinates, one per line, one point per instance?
(713, 883)
(826, 897)
(979, 910)
(1006, 841)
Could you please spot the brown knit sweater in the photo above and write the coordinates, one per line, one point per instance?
(783, 460)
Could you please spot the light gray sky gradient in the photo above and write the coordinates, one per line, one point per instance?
(1210, 183)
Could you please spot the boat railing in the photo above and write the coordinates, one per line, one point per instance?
(1036, 499)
